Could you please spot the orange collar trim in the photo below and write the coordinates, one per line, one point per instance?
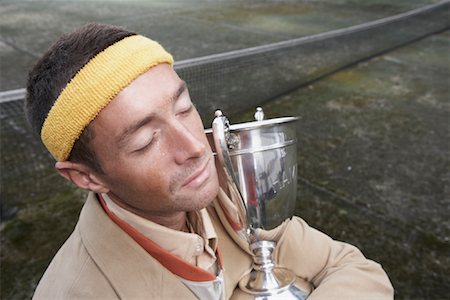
(170, 261)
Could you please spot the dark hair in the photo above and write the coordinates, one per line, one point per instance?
(54, 71)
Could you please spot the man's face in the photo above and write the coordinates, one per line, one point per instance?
(151, 145)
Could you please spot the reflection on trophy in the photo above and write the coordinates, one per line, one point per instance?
(259, 159)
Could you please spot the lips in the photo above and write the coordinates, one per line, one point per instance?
(199, 176)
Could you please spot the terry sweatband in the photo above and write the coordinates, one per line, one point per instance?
(94, 86)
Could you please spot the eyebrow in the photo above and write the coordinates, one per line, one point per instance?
(127, 132)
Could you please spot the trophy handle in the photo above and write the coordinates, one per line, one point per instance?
(223, 140)
(221, 132)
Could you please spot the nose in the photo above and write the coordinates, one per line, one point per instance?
(185, 144)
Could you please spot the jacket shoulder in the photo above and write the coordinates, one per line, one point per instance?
(72, 274)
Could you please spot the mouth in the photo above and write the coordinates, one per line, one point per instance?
(199, 176)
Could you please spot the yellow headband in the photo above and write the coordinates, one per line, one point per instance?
(94, 86)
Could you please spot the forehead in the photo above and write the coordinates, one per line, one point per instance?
(150, 90)
(154, 84)
(150, 93)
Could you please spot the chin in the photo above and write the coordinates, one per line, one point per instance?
(203, 198)
(209, 195)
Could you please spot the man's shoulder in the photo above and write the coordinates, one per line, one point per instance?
(72, 273)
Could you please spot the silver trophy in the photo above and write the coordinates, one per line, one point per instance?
(259, 159)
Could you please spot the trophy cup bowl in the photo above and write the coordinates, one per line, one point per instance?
(259, 158)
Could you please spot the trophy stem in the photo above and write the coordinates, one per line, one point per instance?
(266, 279)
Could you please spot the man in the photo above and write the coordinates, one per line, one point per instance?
(119, 121)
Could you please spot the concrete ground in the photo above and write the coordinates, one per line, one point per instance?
(374, 156)
(374, 161)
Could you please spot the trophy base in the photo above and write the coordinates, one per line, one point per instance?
(279, 286)
(266, 281)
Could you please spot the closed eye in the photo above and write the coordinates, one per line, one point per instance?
(142, 149)
(147, 145)
(186, 110)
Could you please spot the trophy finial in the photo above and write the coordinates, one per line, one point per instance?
(218, 113)
(259, 114)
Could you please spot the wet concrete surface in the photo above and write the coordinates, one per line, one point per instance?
(187, 29)
(374, 154)
(374, 161)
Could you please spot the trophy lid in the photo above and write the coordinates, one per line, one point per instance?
(259, 122)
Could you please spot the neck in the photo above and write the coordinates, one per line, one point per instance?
(176, 221)
(173, 220)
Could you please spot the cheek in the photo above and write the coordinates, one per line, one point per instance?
(148, 172)
(141, 183)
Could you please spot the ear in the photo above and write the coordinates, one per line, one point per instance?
(82, 176)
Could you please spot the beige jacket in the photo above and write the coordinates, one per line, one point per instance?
(100, 261)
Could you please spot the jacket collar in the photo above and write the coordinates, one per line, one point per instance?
(132, 275)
